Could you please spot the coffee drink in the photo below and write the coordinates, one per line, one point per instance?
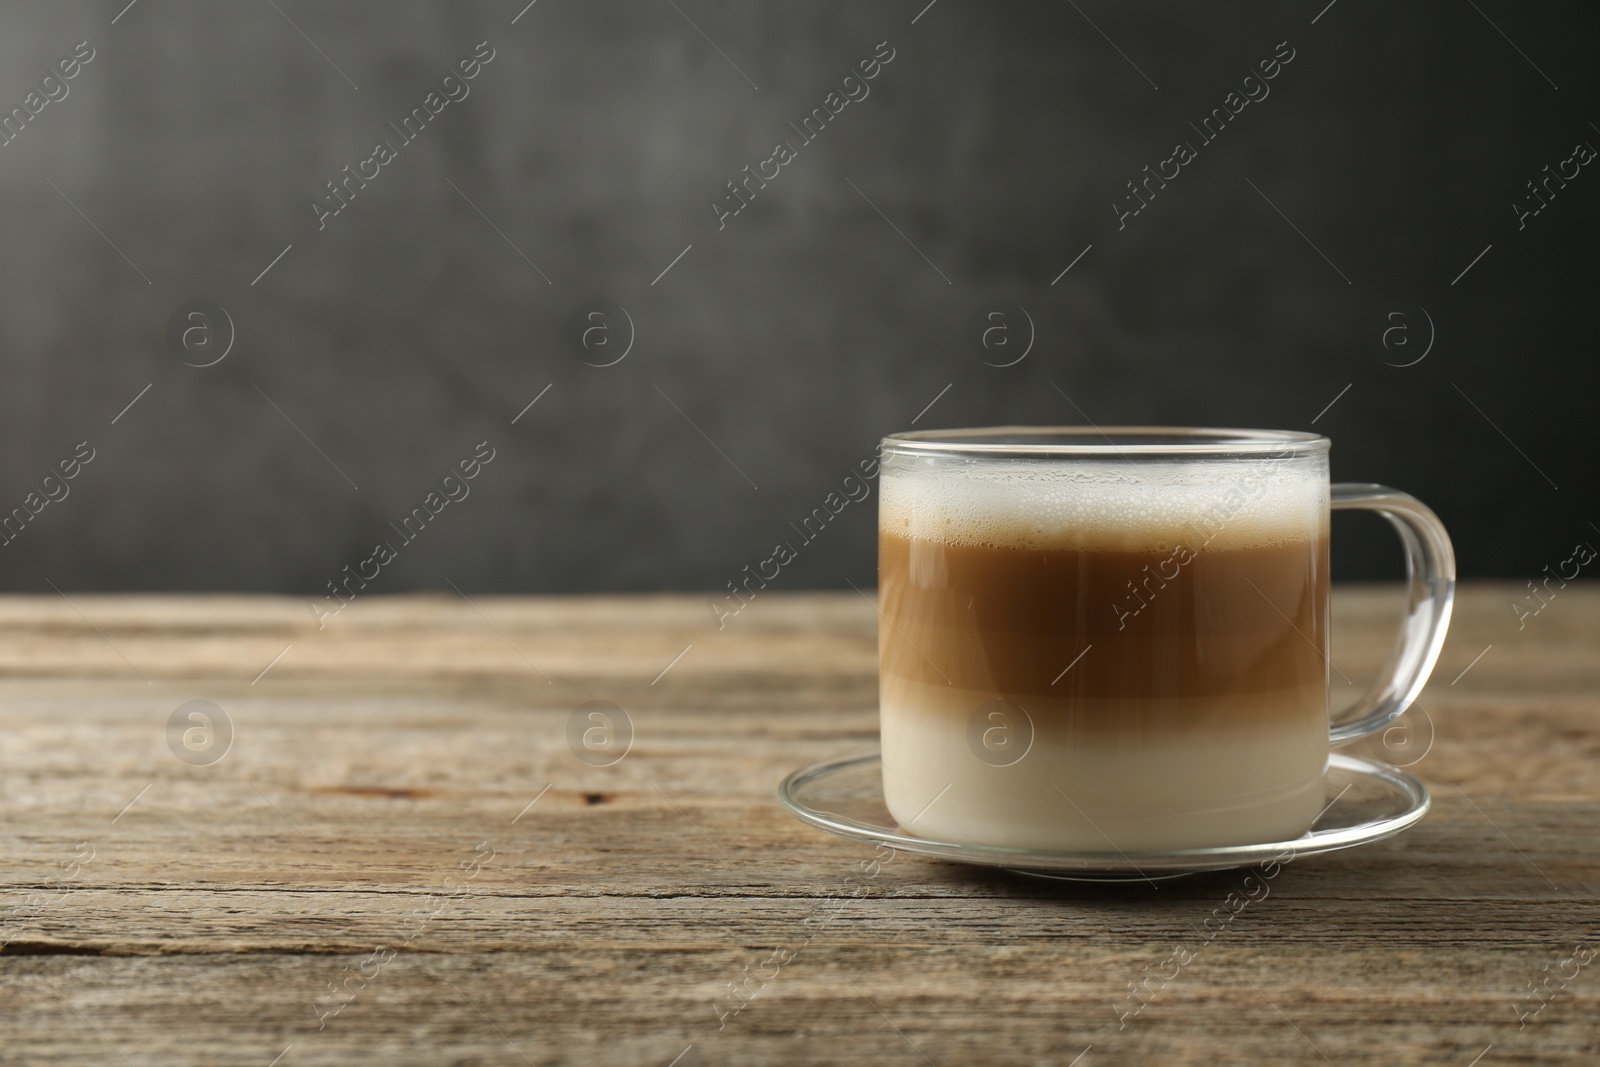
(1113, 655)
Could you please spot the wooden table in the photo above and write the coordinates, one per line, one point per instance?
(400, 859)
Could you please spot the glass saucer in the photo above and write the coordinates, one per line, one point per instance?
(1367, 802)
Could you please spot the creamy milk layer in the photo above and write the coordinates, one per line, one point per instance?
(1099, 790)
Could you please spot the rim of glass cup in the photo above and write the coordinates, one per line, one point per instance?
(1104, 441)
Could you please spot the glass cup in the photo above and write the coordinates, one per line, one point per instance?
(1117, 640)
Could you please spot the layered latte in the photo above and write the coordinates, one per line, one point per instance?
(1111, 659)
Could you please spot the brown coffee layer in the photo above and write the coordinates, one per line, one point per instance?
(1178, 622)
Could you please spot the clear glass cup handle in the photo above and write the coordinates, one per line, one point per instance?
(1431, 570)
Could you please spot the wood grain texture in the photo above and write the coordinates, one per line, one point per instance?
(606, 922)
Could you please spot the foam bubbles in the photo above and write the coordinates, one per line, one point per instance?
(1134, 506)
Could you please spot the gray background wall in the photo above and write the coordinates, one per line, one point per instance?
(994, 143)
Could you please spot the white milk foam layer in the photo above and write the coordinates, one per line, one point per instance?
(1132, 506)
